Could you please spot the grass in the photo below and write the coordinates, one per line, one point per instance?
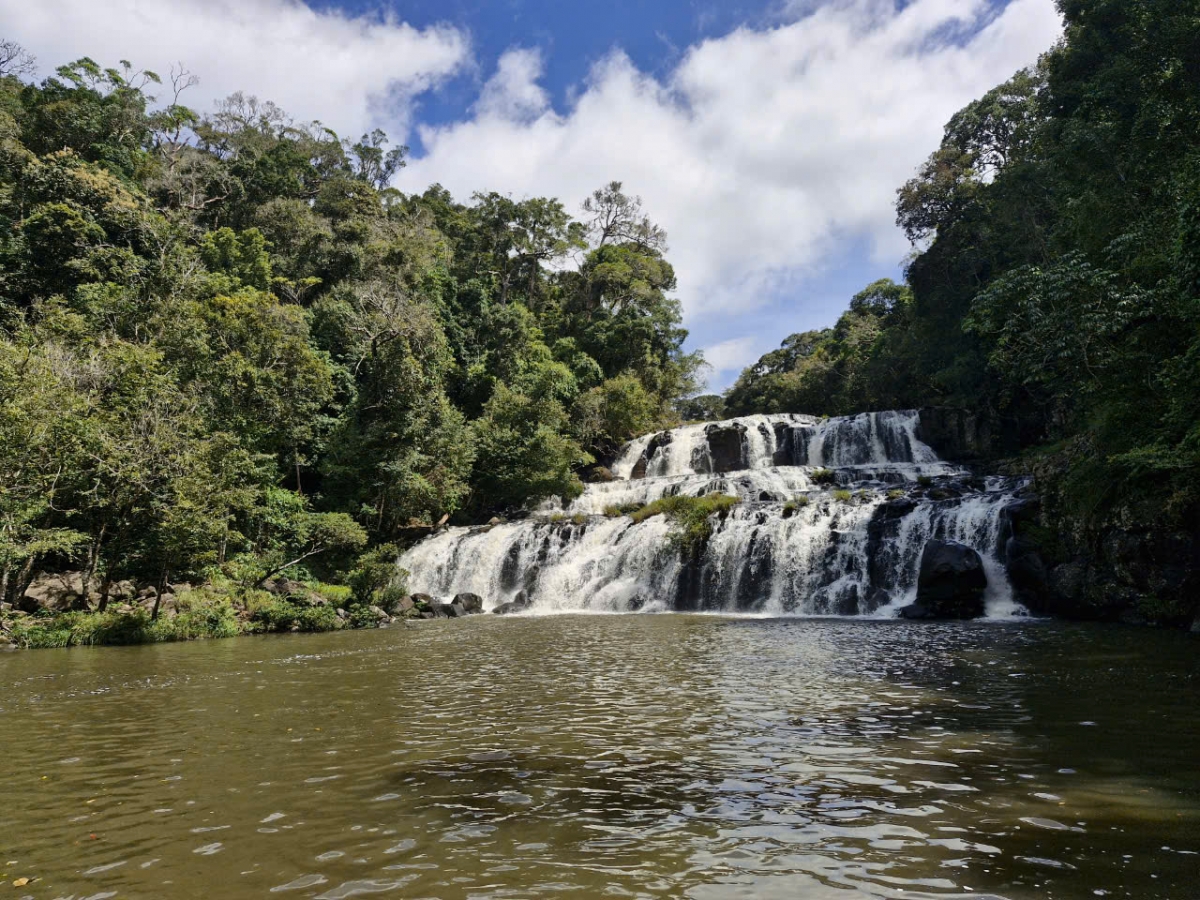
(896, 494)
(823, 476)
(795, 504)
(691, 517)
(842, 496)
(211, 612)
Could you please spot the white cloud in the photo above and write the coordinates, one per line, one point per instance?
(351, 73)
(764, 148)
(732, 355)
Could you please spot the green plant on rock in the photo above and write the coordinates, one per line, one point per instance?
(843, 496)
(691, 517)
(823, 476)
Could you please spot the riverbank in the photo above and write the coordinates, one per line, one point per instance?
(211, 611)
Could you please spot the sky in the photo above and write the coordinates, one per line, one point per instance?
(767, 136)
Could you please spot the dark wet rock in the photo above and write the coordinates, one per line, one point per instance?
(519, 603)
(428, 614)
(1027, 572)
(950, 584)
(726, 445)
(423, 601)
(403, 605)
(455, 611)
(957, 435)
(472, 604)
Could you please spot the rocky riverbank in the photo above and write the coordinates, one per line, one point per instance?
(57, 611)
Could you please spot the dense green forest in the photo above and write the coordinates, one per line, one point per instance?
(229, 349)
(1055, 282)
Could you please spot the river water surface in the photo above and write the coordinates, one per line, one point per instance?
(609, 756)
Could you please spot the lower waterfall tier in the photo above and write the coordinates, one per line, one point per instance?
(827, 553)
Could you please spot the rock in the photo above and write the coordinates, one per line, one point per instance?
(60, 591)
(403, 605)
(428, 615)
(440, 610)
(456, 611)
(285, 587)
(423, 602)
(519, 603)
(955, 434)
(639, 468)
(725, 445)
(343, 615)
(379, 614)
(950, 584)
(472, 604)
(600, 475)
(495, 520)
(1027, 572)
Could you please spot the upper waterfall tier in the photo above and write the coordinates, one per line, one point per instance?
(876, 439)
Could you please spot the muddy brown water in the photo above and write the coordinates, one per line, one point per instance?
(609, 756)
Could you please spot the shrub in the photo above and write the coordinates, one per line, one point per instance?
(896, 494)
(842, 496)
(691, 517)
(375, 578)
(579, 519)
(925, 480)
(823, 476)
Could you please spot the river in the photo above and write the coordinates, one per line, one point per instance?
(647, 756)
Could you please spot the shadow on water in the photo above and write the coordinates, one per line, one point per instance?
(638, 756)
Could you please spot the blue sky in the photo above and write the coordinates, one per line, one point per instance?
(767, 136)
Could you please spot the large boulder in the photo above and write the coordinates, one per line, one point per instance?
(59, 591)
(472, 604)
(726, 446)
(950, 585)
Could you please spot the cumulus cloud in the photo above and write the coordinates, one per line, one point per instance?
(351, 73)
(730, 356)
(762, 149)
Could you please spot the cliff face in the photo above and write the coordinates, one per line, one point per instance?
(1131, 563)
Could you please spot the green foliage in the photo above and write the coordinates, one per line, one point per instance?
(229, 349)
(823, 476)
(842, 496)
(705, 408)
(1055, 279)
(691, 517)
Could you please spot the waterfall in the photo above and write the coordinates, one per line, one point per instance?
(834, 515)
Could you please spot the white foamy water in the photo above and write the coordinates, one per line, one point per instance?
(813, 535)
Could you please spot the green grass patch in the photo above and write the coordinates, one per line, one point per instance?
(842, 496)
(691, 517)
(823, 476)
(199, 619)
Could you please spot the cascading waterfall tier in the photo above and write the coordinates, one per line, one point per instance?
(834, 515)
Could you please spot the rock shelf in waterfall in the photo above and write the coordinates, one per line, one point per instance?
(833, 518)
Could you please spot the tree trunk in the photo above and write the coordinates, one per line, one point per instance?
(93, 562)
(23, 580)
(104, 588)
(158, 592)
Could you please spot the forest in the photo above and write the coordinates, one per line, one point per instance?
(229, 350)
(1054, 286)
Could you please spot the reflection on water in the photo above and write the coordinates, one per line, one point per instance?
(648, 756)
